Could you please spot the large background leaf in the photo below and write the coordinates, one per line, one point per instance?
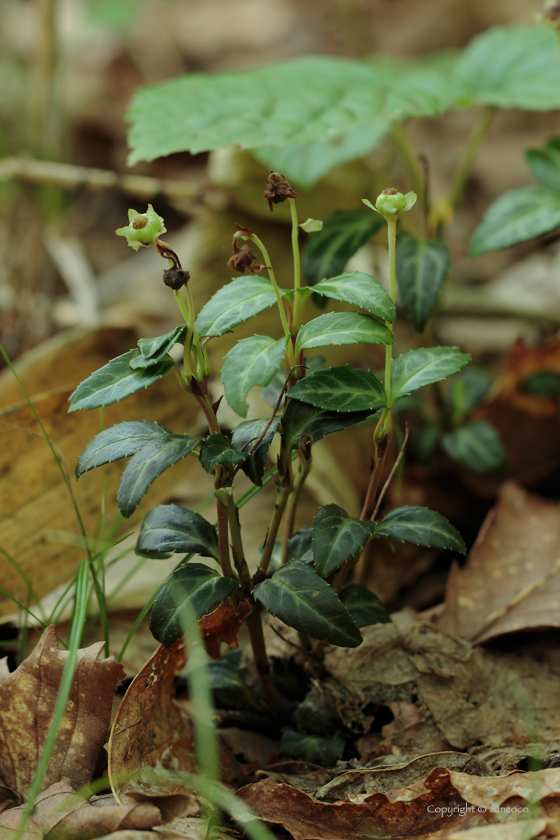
(477, 446)
(518, 215)
(421, 269)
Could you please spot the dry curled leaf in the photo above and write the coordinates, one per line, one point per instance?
(511, 580)
(27, 698)
(150, 733)
(223, 625)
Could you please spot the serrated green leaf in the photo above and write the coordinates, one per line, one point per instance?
(420, 526)
(234, 303)
(364, 607)
(344, 233)
(253, 361)
(545, 163)
(303, 600)
(245, 436)
(117, 442)
(421, 268)
(343, 388)
(171, 528)
(217, 449)
(226, 674)
(115, 381)
(545, 383)
(411, 371)
(153, 350)
(510, 67)
(518, 215)
(304, 419)
(360, 290)
(337, 537)
(342, 328)
(300, 545)
(477, 446)
(312, 748)
(147, 464)
(193, 589)
(306, 165)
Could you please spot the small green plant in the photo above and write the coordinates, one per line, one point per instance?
(301, 578)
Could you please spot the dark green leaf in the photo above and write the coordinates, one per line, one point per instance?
(425, 443)
(217, 449)
(190, 590)
(510, 67)
(545, 163)
(147, 464)
(545, 383)
(304, 419)
(364, 607)
(306, 165)
(243, 439)
(361, 290)
(421, 269)
(226, 674)
(467, 390)
(117, 442)
(234, 303)
(271, 394)
(476, 446)
(343, 388)
(342, 328)
(153, 350)
(301, 599)
(344, 233)
(253, 361)
(420, 526)
(115, 381)
(312, 748)
(300, 545)
(171, 528)
(417, 368)
(516, 216)
(337, 538)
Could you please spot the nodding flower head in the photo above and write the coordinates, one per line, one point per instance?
(143, 228)
(391, 202)
(277, 189)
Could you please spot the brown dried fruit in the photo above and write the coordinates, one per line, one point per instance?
(242, 258)
(278, 189)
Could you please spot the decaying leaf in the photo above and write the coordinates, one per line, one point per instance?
(511, 580)
(150, 733)
(27, 698)
(223, 625)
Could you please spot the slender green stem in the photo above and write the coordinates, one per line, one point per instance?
(392, 239)
(464, 167)
(258, 646)
(260, 245)
(187, 347)
(223, 539)
(224, 495)
(293, 501)
(410, 160)
(297, 266)
(277, 514)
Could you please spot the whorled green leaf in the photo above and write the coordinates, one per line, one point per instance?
(510, 67)
(343, 388)
(545, 163)
(153, 350)
(147, 464)
(518, 215)
(171, 528)
(304, 419)
(545, 383)
(195, 585)
(342, 328)
(115, 381)
(234, 303)
(117, 442)
(306, 165)
(253, 361)
(360, 290)
(364, 607)
(337, 537)
(217, 449)
(344, 233)
(301, 599)
(477, 446)
(243, 439)
(411, 371)
(421, 268)
(312, 748)
(420, 526)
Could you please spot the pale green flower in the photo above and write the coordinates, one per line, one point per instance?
(143, 228)
(392, 203)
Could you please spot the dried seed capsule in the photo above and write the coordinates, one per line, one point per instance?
(277, 189)
(175, 277)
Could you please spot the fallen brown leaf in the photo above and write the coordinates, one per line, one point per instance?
(27, 698)
(150, 733)
(223, 625)
(511, 580)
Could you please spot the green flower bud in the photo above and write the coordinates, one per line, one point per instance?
(143, 228)
(391, 202)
